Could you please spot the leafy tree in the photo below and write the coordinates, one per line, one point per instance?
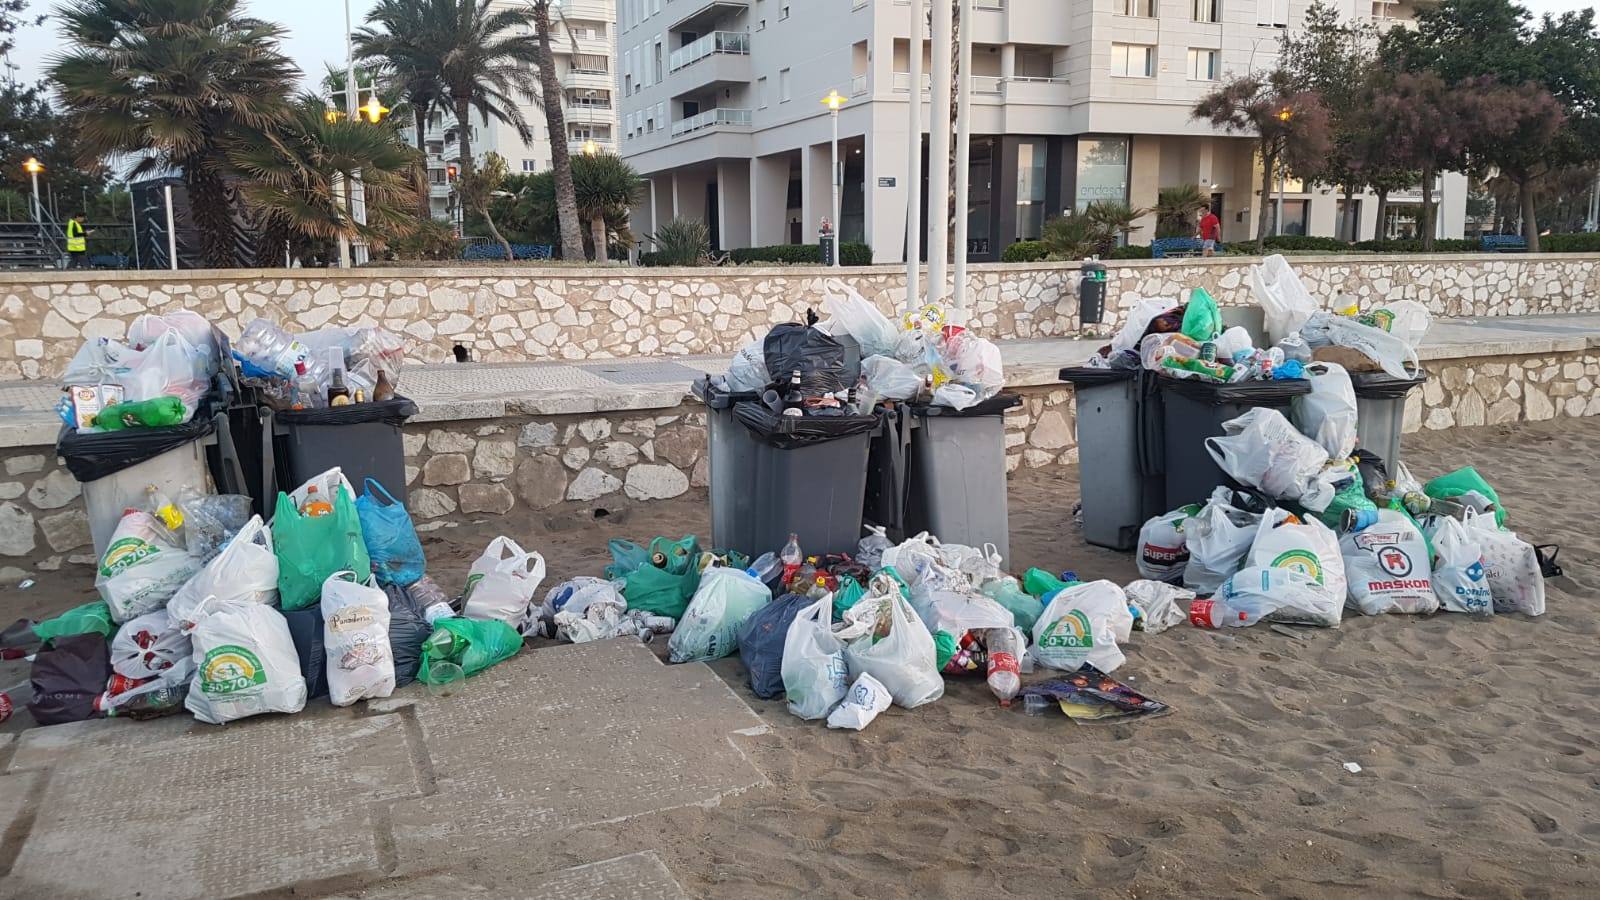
(556, 125)
(1526, 120)
(1175, 210)
(298, 177)
(605, 186)
(1072, 237)
(479, 187)
(407, 42)
(1113, 219)
(31, 126)
(526, 205)
(173, 81)
(1430, 128)
(11, 18)
(1290, 127)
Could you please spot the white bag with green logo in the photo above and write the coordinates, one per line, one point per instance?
(142, 568)
(1308, 547)
(245, 663)
(1083, 624)
(501, 583)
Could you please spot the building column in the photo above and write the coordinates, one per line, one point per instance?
(886, 153)
(733, 204)
(1008, 61)
(1452, 212)
(816, 191)
(677, 204)
(769, 200)
(661, 199)
(1144, 179)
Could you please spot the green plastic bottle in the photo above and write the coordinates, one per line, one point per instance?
(156, 413)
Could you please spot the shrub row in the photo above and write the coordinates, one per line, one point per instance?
(851, 254)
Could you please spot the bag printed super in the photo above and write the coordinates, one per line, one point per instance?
(1163, 545)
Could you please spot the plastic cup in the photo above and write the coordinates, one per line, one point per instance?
(1036, 704)
(445, 679)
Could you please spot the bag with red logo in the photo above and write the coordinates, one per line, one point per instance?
(1083, 624)
(1388, 568)
(1163, 548)
(355, 639)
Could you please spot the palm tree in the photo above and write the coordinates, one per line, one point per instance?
(1072, 237)
(294, 176)
(486, 58)
(409, 48)
(1175, 209)
(604, 185)
(556, 124)
(172, 81)
(479, 188)
(1113, 219)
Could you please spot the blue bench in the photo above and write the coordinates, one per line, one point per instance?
(1162, 248)
(1503, 243)
(489, 250)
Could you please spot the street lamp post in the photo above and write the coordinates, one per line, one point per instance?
(914, 161)
(833, 101)
(963, 156)
(33, 167)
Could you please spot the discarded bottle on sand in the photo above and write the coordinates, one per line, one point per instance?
(1241, 612)
(1005, 666)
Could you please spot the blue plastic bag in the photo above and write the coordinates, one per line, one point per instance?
(391, 538)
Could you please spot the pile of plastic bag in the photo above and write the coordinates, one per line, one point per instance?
(157, 377)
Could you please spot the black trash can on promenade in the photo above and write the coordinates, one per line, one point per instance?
(362, 439)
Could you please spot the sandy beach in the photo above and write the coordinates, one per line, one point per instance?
(1480, 771)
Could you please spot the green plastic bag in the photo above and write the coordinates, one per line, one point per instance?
(472, 644)
(1202, 321)
(94, 616)
(1024, 607)
(1351, 496)
(944, 648)
(664, 590)
(1038, 582)
(905, 589)
(309, 549)
(849, 594)
(1462, 481)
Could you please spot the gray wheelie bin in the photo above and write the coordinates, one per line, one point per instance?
(1121, 473)
(1381, 411)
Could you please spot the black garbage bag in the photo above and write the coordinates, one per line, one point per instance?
(68, 677)
(790, 432)
(761, 643)
(305, 629)
(408, 628)
(90, 457)
(389, 412)
(819, 359)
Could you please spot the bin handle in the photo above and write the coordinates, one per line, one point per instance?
(269, 464)
(230, 469)
(1143, 443)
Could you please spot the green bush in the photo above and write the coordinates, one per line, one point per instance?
(851, 254)
(1132, 251)
(1584, 242)
(428, 240)
(1307, 242)
(680, 242)
(1024, 252)
(1415, 246)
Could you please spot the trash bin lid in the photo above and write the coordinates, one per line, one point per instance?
(1248, 393)
(790, 432)
(390, 412)
(717, 396)
(994, 406)
(1383, 386)
(1094, 376)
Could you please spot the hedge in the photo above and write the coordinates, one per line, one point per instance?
(1132, 251)
(1306, 242)
(1583, 242)
(1441, 245)
(1024, 252)
(851, 254)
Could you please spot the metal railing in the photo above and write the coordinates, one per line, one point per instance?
(986, 84)
(711, 118)
(734, 42)
(902, 81)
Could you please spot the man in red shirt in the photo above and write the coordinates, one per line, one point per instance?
(1210, 231)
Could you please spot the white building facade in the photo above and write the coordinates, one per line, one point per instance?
(1073, 101)
(583, 41)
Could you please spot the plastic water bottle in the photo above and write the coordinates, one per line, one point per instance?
(765, 566)
(1005, 667)
(269, 347)
(791, 558)
(1240, 612)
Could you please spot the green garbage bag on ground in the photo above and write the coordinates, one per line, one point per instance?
(849, 594)
(310, 548)
(1038, 582)
(1463, 481)
(658, 579)
(1202, 321)
(945, 646)
(94, 616)
(1024, 607)
(472, 644)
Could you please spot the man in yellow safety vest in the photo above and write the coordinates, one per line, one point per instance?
(77, 243)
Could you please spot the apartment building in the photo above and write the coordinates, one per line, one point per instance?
(583, 40)
(1073, 101)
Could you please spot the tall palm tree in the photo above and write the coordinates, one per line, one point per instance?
(604, 186)
(556, 124)
(171, 81)
(409, 44)
(486, 58)
(294, 176)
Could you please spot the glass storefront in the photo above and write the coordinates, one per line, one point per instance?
(980, 196)
(1102, 170)
(1031, 157)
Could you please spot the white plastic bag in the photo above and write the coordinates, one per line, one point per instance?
(890, 378)
(149, 645)
(972, 361)
(245, 663)
(710, 626)
(1160, 605)
(1219, 539)
(193, 327)
(1328, 415)
(1288, 595)
(862, 703)
(748, 371)
(1132, 331)
(1407, 320)
(1283, 298)
(1459, 579)
(501, 583)
(1262, 450)
(1163, 550)
(918, 561)
(142, 568)
(1083, 624)
(1391, 353)
(903, 659)
(1311, 549)
(1388, 567)
(355, 638)
(1510, 565)
(1231, 341)
(246, 571)
(861, 320)
(326, 483)
(955, 396)
(957, 612)
(815, 676)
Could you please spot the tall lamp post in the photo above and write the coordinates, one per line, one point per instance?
(963, 156)
(914, 161)
(833, 101)
(33, 167)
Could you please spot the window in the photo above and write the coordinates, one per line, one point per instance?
(1203, 64)
(1102, 170)
(1272, 13)
(1133, 60)
(1030, 189)
(761, 92)
(658, 60)
(783, 11)
(783, 85)
(1351, 226)
(1292, 216)
(1144, 9)
(1206, 10)
(529, 165)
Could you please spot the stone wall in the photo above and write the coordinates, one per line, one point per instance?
(41, 514)
(520, 314)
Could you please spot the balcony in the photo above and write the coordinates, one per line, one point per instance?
(601, 145)
(1035, 89)
(712, 118)
(902, 82)
(587, 79)
(699, 14)
(731, 42)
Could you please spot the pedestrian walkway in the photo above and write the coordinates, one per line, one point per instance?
(455, 392)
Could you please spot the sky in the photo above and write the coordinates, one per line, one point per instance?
(316, 31)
